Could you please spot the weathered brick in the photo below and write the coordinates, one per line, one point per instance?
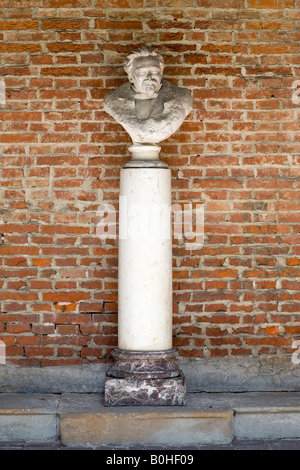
(18, 25)
(237, 152)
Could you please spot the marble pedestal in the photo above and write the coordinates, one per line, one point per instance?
(139, 378)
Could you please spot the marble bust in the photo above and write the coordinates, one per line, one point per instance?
(149, 108)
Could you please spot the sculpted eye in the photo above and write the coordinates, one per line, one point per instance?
(146, 71)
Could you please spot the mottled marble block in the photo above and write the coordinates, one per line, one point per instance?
(144, 378)
(148, 392)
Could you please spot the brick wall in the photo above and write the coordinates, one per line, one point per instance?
(238, 152)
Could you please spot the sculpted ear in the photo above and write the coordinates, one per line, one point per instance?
(129, 76)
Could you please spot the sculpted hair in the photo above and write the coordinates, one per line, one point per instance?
(143, 51)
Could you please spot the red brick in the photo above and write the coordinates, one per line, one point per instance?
(20, 48)
(65, 3)
(27, 340)
(67, 329)
(18, 25)
(41, 351)
(62, 154)
(62, 25)
(61, 71)
(17, 328)
(109, 24)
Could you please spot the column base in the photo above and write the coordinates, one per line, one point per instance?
(145, 156)
(142, 378)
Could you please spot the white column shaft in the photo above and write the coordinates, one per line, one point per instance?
(145, 260)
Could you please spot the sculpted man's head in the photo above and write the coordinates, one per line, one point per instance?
(144, 68)
(148, 107)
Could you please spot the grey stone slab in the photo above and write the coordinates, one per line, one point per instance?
(241, 374)
(28, 417)
(211, 375)
(236, 402)
(258, 415)
(24, 403)
(94, 424)
(266, 401)
(261, 415)
(111, 428)
(248, 402)
(267, 425)
(87, 403)
(87, 378)
(29, 427)
(207, 419)
(80, 403)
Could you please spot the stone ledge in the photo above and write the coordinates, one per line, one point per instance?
(149, 429)
(143, 425)
(28, 417)
(208, 418)
(230, 374)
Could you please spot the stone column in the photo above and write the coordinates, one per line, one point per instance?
(144, 371)
(150, 109)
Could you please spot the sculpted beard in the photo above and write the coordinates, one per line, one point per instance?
(151, 86)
